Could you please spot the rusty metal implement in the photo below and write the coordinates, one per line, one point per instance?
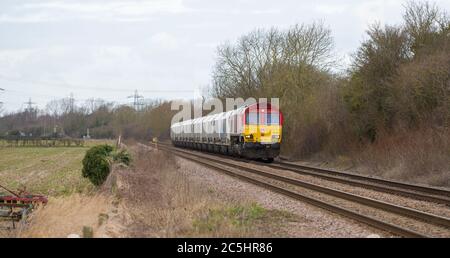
(17, 206)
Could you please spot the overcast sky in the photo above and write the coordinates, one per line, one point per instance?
(164, 48)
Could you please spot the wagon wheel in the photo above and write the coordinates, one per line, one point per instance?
(24, 214)
(11, 214)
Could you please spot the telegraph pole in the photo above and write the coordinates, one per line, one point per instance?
(137, 100)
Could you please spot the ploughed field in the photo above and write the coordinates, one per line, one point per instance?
(49, 171)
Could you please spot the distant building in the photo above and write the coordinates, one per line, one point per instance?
(87, 136)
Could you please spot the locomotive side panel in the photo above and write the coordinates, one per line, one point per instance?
(253, 131)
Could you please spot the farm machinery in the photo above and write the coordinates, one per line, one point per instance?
(17, 206)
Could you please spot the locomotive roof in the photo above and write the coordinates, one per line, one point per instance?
(222, 115)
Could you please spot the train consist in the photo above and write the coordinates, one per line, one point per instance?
(252, 131)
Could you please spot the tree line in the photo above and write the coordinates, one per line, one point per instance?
(61, 118)
(398, 81)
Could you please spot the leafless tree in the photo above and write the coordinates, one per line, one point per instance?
(425, 24)
(91, 105)
(248, 68)
(53, 108)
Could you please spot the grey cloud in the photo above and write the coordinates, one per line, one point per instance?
(51, 48)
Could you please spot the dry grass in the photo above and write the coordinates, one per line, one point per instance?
(412, 155)
(150, 199)
(422, 156)
(66, 215)
(95, 142)
(162, 202)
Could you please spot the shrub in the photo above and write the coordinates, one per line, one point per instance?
(424, 84)
(123, 157)
(96, 164)
(368, 95)
(400, 74)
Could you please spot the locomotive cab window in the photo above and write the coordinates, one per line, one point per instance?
(273, 119)
(262, 119)
(251, 119)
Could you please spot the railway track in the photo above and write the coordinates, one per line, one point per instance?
(418, 192)
(248, 174)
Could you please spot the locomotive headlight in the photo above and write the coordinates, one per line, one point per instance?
(275, 136)
(249, 136)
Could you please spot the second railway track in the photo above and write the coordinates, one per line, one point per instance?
(419, 192)
(441, 223)
(405, 189)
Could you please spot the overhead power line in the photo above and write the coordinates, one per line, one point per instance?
(85, 87)
(29, 104)
(137, 100)
(1, 89)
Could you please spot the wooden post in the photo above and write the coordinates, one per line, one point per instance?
(119, 141)
(88, 232)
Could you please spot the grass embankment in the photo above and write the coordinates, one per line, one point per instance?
(149, 198)
(164, 202)
(241, 220)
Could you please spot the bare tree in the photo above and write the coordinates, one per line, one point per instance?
(53, 108)
(248, 67)
(91, 105)
(425, 24)
(309, 44)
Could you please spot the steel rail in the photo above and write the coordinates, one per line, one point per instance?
(399, 210)
(418, 192)
(414, 187)
(386, 226)
(370, 184)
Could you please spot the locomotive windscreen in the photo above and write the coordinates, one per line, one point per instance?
(254, 118)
